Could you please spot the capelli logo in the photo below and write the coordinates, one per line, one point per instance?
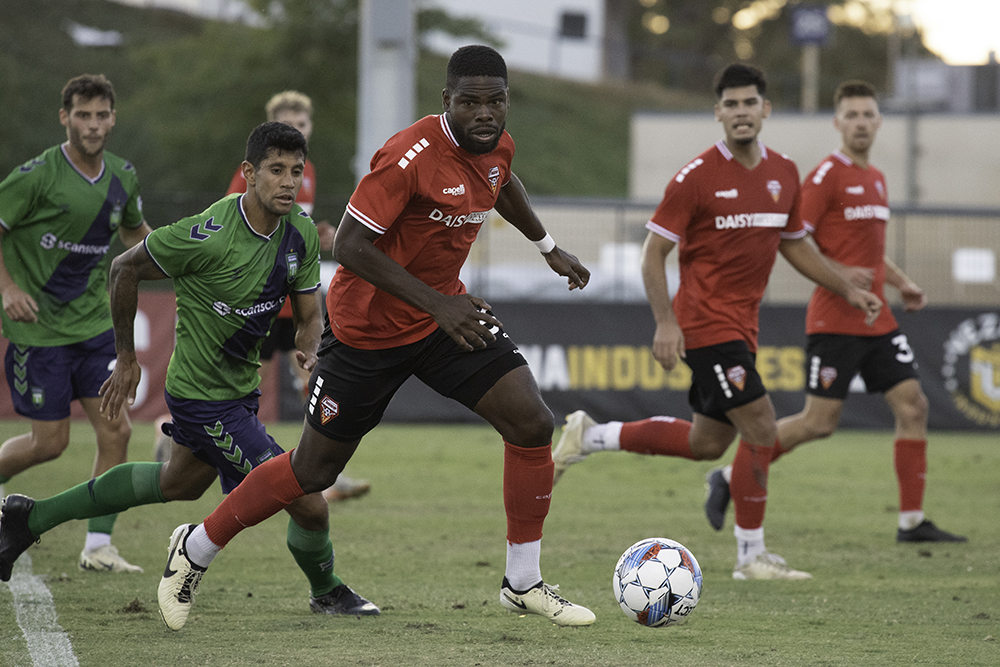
(460, 190)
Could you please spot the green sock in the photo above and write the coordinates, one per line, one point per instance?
(124, 486)
(313, 552)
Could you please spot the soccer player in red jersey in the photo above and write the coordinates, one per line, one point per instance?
(729, 211)
(397, 308)
(845, 207)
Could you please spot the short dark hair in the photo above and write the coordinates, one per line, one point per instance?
(475, 60)
(88, 86)
(738, 75)
(855, 88)
(270, 135)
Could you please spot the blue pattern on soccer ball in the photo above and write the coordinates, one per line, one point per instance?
(657, 582)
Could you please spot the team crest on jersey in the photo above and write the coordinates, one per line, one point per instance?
(328, 409)
(737, 376)
(292, 261)
(880, 189)
(116, 216)
(774, 187)
(827, 376)
(494, 178)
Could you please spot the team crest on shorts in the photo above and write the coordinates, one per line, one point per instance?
(774, 187)
(329, 409)
(37, 398)
(737, 376)
(827, 376)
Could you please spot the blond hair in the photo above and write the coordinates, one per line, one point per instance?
(289, 100)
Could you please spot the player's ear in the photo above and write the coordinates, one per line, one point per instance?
(249, 174)
(445, 99)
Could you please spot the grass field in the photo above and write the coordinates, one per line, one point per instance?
(427, 546)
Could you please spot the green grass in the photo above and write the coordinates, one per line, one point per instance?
(427, 546)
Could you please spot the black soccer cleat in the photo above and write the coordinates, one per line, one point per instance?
(926, 531)
(342, 601)
(15, 537)
(717, 501)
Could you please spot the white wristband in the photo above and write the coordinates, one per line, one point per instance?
(545, 244)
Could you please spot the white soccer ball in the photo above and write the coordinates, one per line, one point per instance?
(657, 582)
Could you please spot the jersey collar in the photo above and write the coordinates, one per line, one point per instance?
(447, 130)
(843, 158)
(90, 180)
(246, 221)
(728, 154)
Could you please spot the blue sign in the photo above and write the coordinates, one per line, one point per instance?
(810, 26)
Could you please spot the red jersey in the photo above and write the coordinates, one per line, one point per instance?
(427, 198)
(306, 198)
(846, 208)
(727, 221)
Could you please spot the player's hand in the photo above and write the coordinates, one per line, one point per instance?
(19, 305)
(465, 318)
(120, 388)
(668, 345)
(914, 298)
(859, 276)
(327, 234)
(867, 303)
(569, 266)
(306, 360)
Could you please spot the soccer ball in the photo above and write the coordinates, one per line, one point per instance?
(657, 582)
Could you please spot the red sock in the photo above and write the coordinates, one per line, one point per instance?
(527, 490)
(268, 489)
(910, 459)
(777, 451)
(748, 485)
(657, 436)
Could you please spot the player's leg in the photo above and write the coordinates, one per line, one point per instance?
(46, 441)
(514, 407)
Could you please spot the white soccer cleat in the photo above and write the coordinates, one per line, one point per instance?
(179, 584)
(106, 559)
(545, 601)
(769, 566)
(569, 450)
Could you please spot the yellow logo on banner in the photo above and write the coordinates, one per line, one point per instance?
(984, 376)
(974, 345)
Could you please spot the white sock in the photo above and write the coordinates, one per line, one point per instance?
(523, 569)
(96, 541)
(602, 437)
(201, 550)
(749, 544)
(910, 519)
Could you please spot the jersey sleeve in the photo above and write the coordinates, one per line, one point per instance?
(384, 192)
(17, 195)
(132, 215)
(816, 192)
(308, 279)
(178, 249)
(678, 207)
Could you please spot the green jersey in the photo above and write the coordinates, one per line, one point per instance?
(58, 226)
(230, 283)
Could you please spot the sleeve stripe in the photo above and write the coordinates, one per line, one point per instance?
(794, 235)
(146, 246)
(663, 231)
(308, 290)
(365, 220)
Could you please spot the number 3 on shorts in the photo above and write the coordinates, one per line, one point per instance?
(905, 355)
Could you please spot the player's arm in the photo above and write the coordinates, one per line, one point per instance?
(913, 297)
(134, 235)
(513, 205)
(18, 304)
(308, 328)
(808, 261)
(668, 341)
(461, 316)
(127, 270)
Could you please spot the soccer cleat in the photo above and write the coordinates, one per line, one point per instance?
(179, 584)
(717, 501)
(768, 566)
(15, 537)
(342, 601)
(926, 531)
(346, 488)
(545, 601)
(106, 559)
(569, 450)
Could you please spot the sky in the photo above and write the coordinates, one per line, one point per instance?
(962, 32)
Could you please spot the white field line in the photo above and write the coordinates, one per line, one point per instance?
(48, 644)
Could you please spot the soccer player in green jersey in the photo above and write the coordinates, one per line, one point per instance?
(233, 266)
(58, 215)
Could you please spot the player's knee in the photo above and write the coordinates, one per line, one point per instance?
(48, 449)
(914, 411)
(709, 451)
(819, 430)
(534, 430)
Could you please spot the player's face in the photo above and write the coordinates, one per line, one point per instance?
(476, 110)
(858, 121)
(741, 111)
(88, 124)
(276, 183)
(300, 120)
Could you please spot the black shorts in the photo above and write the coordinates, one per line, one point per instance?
(281, 338)
(723, 377)
(832, 360)
(350, 388)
